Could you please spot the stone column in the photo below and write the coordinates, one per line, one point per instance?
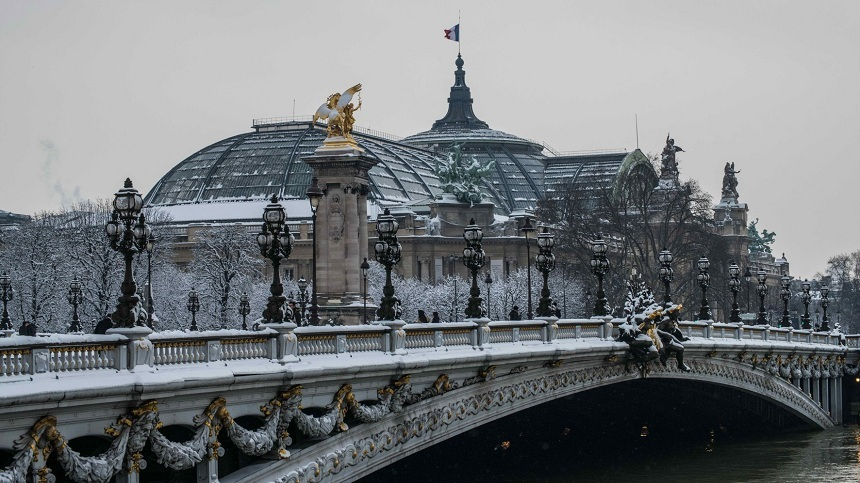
(341, 235)
(816, 394)
(825, 393)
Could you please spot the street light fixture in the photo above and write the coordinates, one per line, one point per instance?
(528, 231)
(545, 263)
(150, 245)
(193, 305)
(74, 298)
(473, 259)
(488, 280)
(825, 302)
(704, 279)
(599, 266)
(734, 286)
(128, 234)
(275, 243)
(7, 295)
(303, 300)
(667, 275)
(805, 297)
(364, 268)
(785, 293)
(387, 250)
(244, 309)
(762, 293)
(315, 195)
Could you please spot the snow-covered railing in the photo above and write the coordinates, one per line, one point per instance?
(451, 334)
(341, 339)
(60, 353)
(185, 347)
(22, 356)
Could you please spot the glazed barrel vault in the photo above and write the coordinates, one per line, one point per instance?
(336, 403)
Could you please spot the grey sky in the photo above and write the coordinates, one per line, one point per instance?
(93, 92)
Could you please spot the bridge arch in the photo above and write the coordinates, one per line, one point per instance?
(369, 447)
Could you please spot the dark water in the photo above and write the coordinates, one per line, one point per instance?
(643, 431)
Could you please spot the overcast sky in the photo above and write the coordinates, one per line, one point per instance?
(94, 92)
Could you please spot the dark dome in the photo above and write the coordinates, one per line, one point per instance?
(256, 165)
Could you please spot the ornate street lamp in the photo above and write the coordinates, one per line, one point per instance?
(785, 293)
(387, 250)
(528, 231)
(303, 300)
(150, 245)
(244, 309)
(762, 293)
(488, 280)
(599, 266)
(364, 268)
(825, 302)
(734, 286)
(545, 263)
(314, 194)
(193, 305)
(473, 259)
(805, 297)
(7, 295)
(747, 279)
(275, 243)
(74, 298)
(704, 279)
(128, 234)
(667, 275)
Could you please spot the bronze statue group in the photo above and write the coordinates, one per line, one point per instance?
(651, 329)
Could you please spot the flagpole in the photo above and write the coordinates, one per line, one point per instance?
(459, 39)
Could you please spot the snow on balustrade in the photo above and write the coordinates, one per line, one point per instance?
(244, 348)
(311, 345)
(13, 362)
(363, 342)
(419, 339)
(695, 329)
(530, 333)
(500, 335)
(456, 337)
(83, 357)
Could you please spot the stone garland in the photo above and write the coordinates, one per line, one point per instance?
(131, 433)
(142, 425)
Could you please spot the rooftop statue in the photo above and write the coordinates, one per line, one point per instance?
(338, 111)
(462, 177)
(730, 182)
(669, 167)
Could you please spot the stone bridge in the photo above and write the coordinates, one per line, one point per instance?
(307, 404)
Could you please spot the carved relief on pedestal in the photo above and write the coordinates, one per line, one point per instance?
(335, 217)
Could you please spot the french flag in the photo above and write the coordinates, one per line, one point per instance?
(453, 33)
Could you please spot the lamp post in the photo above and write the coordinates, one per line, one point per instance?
(528, 231)
(303, 300)
(785, 293)
(748, 278)
(74, 298)
(387, 250)
(805, 297)
(545, 263)
(762, 293)
(275, 243)
(473, 259)
(599, 266)
(734, 286)
(128, 233)
(150, 244)
(193, 305)
(244, 309)
(667, 275)
(314, 194)
(364, 268)
(488, 280)
(825, 302)
(704, 279)
(7, 295)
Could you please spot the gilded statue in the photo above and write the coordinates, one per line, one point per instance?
(339, 113)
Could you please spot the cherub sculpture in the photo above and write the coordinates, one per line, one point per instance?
(338, 113)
